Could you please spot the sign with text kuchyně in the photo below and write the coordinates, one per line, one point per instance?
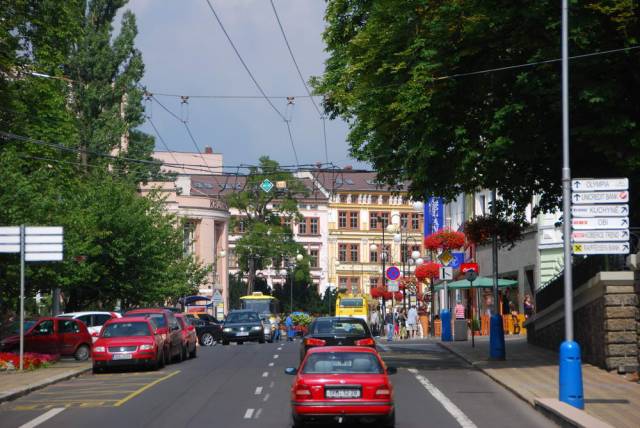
(619, 210)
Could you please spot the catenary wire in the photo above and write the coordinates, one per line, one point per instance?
(164, 143)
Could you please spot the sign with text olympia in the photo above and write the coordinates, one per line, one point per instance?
(599, 184)
(393, 273)
(600, 216)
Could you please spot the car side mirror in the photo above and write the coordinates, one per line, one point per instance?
(392, 370)
(291, 370)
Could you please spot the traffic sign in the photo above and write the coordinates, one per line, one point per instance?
(601, 248)
(599, 235)
(216, 299)
(598, 223)
(266, 185)
(599, 184)
(446, 273)
(445, 257)
(393, 273)
(582, 198)
(471, 275)
(621, 210)
(464, 267)
(393, 286)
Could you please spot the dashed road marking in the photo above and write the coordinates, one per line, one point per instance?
(266, 396)
(43, 417)
(271, 364)
(280, 348)
(272, 384)
(258, 413)
(258, 390)
(275, 356)
(265, 374)
(248, 414)
(454, 410)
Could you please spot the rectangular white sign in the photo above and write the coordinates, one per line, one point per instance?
(599, 235)
(9, 248)
(599, 184)
(44, 230)
(446, 273)
(10, 239)
(601, 248)
(43, 257)
(393, 286)
(598, 223)
(10, 230)
(584, 198)
(621, 210)
(43, 248)
(43, 239)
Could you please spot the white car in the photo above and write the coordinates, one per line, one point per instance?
(93, 319)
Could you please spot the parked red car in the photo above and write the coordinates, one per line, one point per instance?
(338, 383)
(168, 328)
(189, 336)
(130, 341)
(52, 335)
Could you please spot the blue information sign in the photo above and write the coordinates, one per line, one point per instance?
(393, 273)
(433, 215)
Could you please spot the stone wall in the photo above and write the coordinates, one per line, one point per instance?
(606, 322)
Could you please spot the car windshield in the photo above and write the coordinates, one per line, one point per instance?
(342, 362)
(123, 329)
(348, 327)
(14, 327)
(351, 303)
(242, 317)
(158, 318)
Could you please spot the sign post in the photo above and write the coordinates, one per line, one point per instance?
(471, 275)
(446, 273)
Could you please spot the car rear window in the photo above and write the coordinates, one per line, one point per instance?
(342, 362)
(350, 327)
(243, 317)
(158, 318)
(124, 329)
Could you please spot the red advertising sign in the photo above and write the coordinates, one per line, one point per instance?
(464, 267)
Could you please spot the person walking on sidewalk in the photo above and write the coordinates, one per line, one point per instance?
(412, 321)
(375, 324)
(289, 324)
(388, 320)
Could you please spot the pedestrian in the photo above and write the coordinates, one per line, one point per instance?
(375, 323)
(396, 326)
(528, 306)
(388, 320)
(412, 321)
(289, 324)
(515, 319)
(459, 310)
(402, 324)
(276, 333)
(505, 302)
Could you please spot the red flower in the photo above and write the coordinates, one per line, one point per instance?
(428, 270)
(445, 239)
(376, 292)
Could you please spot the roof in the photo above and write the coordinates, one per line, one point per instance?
(128, 319)
(361, 349)
(147, 311)
(225, 184)
(81, 313)
(346, 180)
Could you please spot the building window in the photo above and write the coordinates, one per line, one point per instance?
(352, 217)
(378, 220)
(374, 282)
(405, 253)
(240, 224)
(353, 220)
(404, 220)
(348, 252)
(343, 199)
(286, 222)
(416, 220)
(308, 226)
(385, 200)
(302, 227)
(189, 241)
(350, 284)
(373, 256)
(313, 258)
(313, 225)
(342, 219)
(376, 256)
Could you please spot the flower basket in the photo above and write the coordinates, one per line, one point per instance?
(428, 270)
(445, 239)
(480, 230)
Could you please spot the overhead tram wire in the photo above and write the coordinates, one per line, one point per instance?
(304, 83)
(164, 143)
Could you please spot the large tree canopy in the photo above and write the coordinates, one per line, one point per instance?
(397, 73)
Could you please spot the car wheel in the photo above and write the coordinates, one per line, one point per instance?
(96, 369)
(390, 421)
(162, 361)
(297, 422)
(184, 353)
(225, 342)
(207, 339)
(261, 340)
(193, 353)
(82, 353)
(240, 342)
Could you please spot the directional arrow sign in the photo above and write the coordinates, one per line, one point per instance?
(446, 273)
(599, 184)
(585, 198)
(586, 223)
(600, 210)
(599, 235)
(601, 248)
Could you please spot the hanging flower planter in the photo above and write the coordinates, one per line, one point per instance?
(428, 270)
(480, 230)
(445, 239)
(376, 292)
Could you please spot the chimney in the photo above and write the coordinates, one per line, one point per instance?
(208, 150)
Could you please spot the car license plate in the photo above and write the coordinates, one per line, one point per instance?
(342, 393)
(242, 333)
(122, 356)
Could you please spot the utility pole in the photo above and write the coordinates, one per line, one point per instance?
(496, 327)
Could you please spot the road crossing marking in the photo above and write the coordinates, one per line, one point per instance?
(144, 388)
(280, 348)
(258, 413)
(272, 384)
(454, 410)
(266, 396)
(248, 414)
(258, 390)
(265, 374)
(275, 356)
(43, 417)
(271, 364)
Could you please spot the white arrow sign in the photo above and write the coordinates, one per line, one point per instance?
(584, 198)
(599, 184)
(600, 210)
(601, 248)
(446, 273)
(599, 235)
(598, 223)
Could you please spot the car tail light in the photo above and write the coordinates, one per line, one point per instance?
(310, 341)
(383, 391)
(302, 391)
(365, 342)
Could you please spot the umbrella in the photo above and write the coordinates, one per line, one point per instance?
(480, 282)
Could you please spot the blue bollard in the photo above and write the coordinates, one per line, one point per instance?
(445, 319)
(570, 378)
(496, 338)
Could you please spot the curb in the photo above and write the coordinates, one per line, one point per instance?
(554, 410)
(19, 392)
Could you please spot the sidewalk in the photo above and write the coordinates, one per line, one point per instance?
(16, 384)
(531, 373)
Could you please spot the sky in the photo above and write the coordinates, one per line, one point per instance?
(186, 53)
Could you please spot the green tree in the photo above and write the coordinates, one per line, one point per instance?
(396, 73)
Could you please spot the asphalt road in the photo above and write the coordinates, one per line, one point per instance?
(245, 386)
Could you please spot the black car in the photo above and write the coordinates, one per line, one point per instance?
(242, 326)
(337, 331)
(209, 333)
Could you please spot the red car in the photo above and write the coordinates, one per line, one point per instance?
(52, 335)
(341, 383)
(126, 342)
(189, 336)
(168, 328)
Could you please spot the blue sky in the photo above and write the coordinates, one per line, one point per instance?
(186, 52)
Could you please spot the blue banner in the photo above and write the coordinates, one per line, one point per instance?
(458, 259)
(433, 215)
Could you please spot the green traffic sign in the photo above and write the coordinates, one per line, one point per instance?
(266, 185)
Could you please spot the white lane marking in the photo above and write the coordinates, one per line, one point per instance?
(266, 396)
(280, 348)
(43, 417)
(271, 364)
(454, 410)
(275, 356)
(248, 414)
(272, 384)
(258, 390)
(258, 413)
(265, 374)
